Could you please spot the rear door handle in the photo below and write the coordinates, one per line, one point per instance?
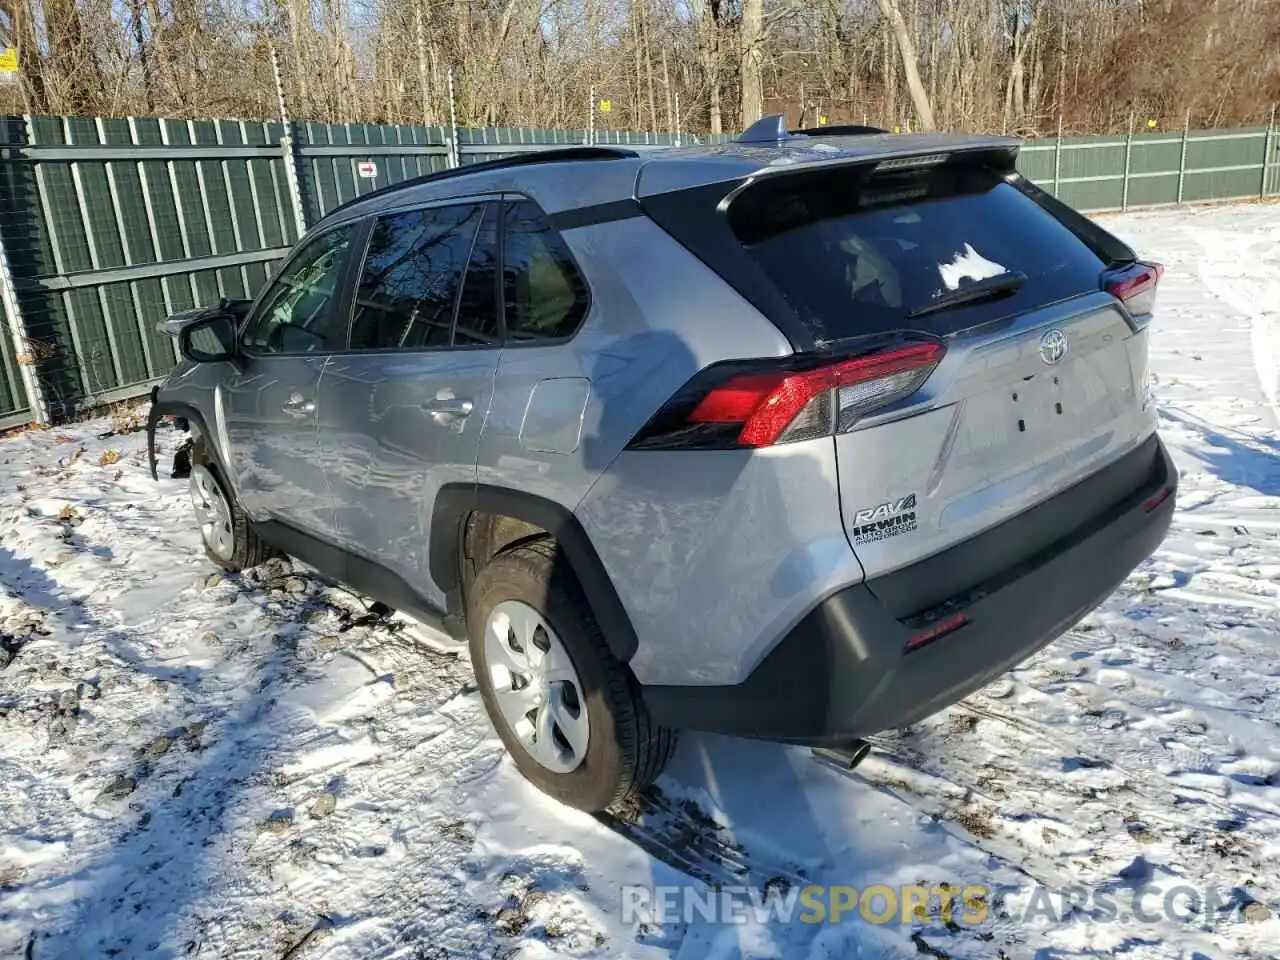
(448, 409)
(298, 406)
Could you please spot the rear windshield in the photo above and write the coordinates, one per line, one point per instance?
(852, 253)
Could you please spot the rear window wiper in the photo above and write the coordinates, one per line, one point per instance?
(997, 286)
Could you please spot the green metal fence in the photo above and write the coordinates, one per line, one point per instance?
(108, 226)
(1096, 174)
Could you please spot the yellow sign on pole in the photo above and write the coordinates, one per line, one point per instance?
(822, 121)
(8, 60)
(606, 106)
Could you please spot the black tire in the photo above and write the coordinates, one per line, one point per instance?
(626, 750)
(249, 549)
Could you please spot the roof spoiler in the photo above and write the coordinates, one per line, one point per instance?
(998, 153)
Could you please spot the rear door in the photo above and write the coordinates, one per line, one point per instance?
(402, 407)
(1042, 378)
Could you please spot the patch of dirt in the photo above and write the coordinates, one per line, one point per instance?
(978, 821)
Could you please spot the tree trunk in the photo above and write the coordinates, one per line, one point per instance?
(890, 84)
(907, 50)
(31, 75)
(638, 51)
(303, 107)
(711, 61)
(752, 68)
(139, 38)
(666, 85)
(424, 85)
(648, 66)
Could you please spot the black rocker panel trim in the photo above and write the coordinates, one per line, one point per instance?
(361, 574)
(457, 501)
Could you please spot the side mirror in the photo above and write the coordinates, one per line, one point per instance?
(209, 340)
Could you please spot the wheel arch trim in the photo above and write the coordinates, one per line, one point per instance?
(455, 502)
(188, 411)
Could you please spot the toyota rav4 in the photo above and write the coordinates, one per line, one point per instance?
(800, 437)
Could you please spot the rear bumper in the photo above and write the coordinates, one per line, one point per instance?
(844, 671)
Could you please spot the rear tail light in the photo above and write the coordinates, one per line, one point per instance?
(760, 404)
(1135, 286)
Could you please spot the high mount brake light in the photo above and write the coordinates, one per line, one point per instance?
(1135, 285)
(768, 403)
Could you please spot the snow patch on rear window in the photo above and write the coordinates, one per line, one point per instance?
(969, 264)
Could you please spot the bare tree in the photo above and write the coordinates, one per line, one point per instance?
(1020, 65)
(907, 50)
(752, 68)
(711, 65)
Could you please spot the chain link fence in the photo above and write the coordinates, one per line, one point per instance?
(107, 226)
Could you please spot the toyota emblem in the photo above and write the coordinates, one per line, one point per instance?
(1053, 346)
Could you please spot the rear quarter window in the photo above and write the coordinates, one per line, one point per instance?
(853, 253)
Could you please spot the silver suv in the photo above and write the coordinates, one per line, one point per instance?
(802, 437)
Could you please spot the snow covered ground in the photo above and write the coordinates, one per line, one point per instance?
(197, 765)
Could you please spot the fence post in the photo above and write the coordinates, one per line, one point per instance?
(1128, 160)
(677, 130)
(1182, 157)
(294, 183)
(1266, 154)
(1057, 160)
(291, 178)
(591, 116)
(453, 157)
(23, 353)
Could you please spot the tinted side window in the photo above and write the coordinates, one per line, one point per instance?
(412, 272)
(478, 305)
(297, 312)
(544, 295)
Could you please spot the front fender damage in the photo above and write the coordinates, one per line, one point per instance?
(182, 456)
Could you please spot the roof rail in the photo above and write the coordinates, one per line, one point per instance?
(773, 129)
(560, 155)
